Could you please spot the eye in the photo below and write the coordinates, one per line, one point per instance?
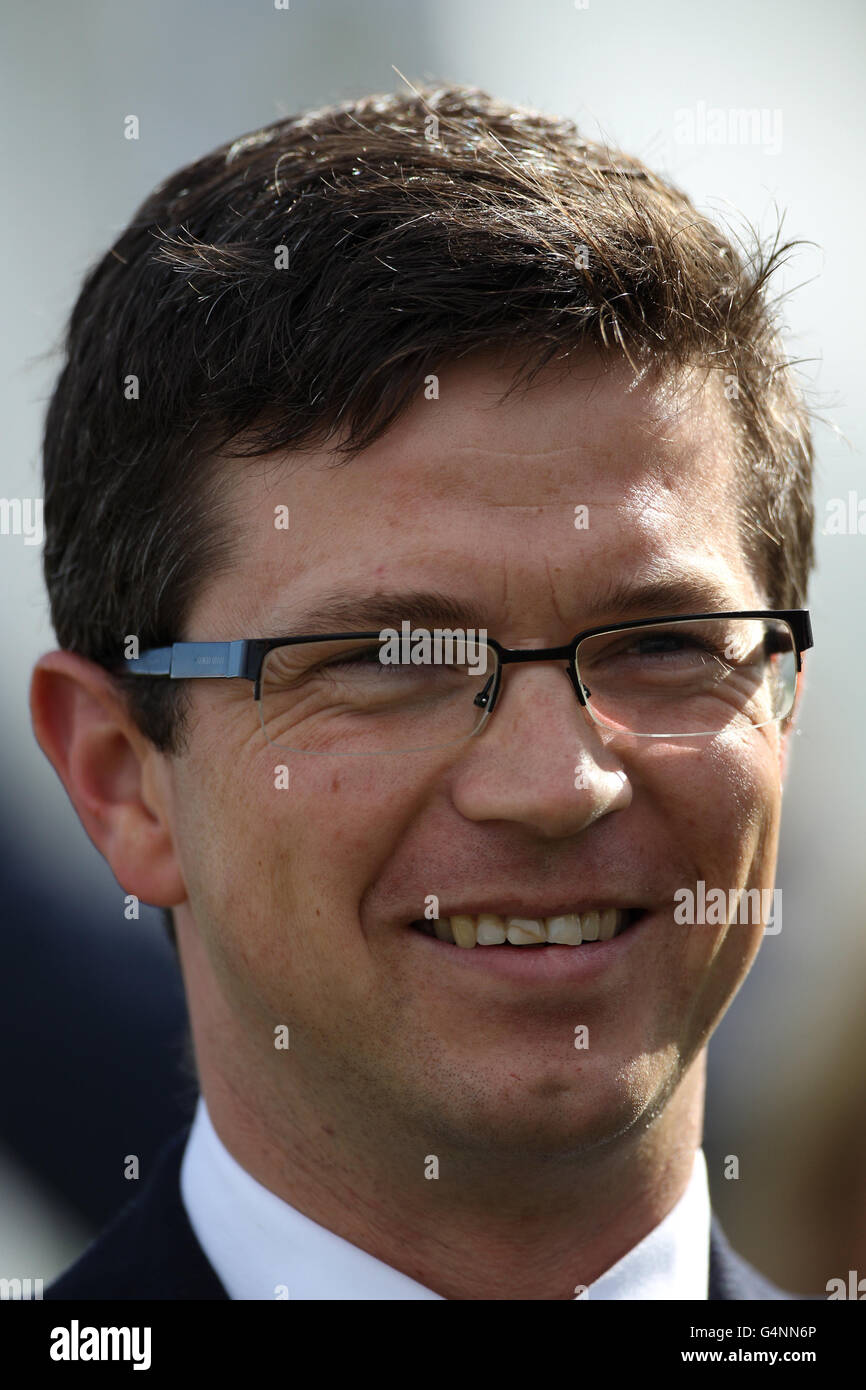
(646, 646)
(365, 656)
(671, 643)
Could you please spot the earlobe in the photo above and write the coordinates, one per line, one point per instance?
(83, 726)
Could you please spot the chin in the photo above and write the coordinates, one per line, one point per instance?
(552, 1115)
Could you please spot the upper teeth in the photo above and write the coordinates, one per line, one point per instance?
(489, 929)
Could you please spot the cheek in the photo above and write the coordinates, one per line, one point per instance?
(276, 844)
(720, 808)
(223, 843)
(720, 803)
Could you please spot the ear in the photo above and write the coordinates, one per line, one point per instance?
(115, 778)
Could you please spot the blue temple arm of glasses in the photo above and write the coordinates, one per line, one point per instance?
(187, 660)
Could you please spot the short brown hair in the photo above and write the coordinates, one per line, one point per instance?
(415, 228)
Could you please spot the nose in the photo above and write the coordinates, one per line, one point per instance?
(540, 760)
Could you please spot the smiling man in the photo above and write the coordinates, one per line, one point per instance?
(427, 359)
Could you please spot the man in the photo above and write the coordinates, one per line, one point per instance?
(449, 1025)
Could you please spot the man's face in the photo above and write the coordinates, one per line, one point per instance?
(300, 899)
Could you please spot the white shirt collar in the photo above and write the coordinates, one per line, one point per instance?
(262, 1248)
(673, 1261)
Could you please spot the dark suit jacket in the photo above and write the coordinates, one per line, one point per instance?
(150, 1251)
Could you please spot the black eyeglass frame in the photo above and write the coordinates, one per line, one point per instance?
(243, 659)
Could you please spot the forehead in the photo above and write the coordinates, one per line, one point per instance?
(551, 497)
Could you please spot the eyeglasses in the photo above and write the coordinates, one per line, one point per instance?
(348, 695)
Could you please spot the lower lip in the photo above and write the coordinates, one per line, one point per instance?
(538, 964)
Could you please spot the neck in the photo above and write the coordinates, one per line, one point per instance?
(496, 1223)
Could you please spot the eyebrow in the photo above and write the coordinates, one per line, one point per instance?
(672, 592)
(621, 600)
(354, 613)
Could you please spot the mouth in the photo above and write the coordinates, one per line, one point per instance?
(571, 929)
